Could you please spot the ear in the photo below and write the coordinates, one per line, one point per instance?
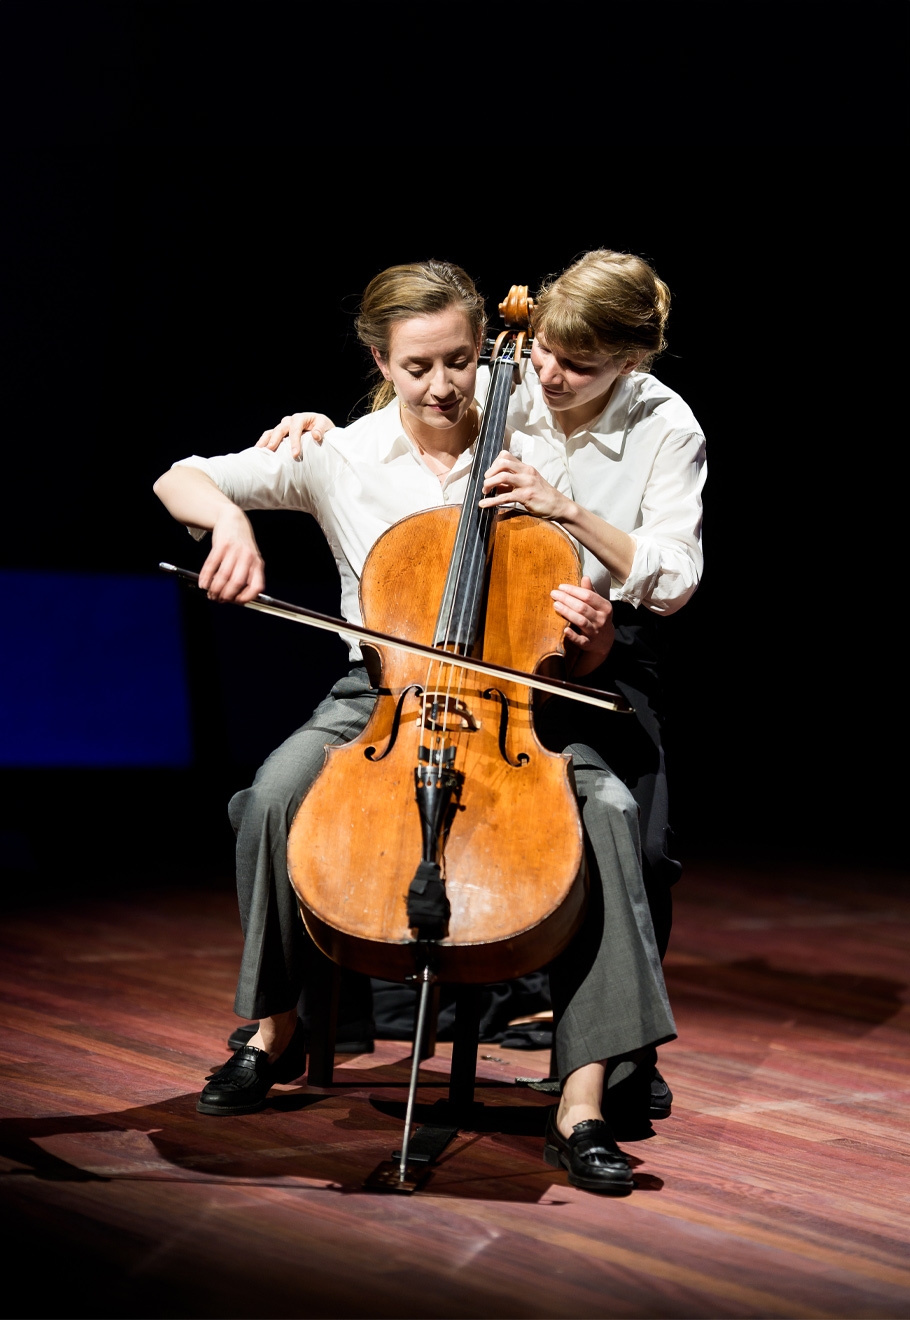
(631, 364)
(387, 375)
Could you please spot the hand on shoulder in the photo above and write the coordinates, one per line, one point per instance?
(293, 429)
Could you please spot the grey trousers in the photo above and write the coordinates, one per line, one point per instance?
(608, 989)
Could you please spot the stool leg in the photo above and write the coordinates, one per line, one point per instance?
(464, 1051)
(554, 1059)
(322, 994)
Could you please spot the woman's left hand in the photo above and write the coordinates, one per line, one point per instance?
(590, 631)
(516, 483)
(293, 429)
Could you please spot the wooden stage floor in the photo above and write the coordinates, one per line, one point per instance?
(779, 1186)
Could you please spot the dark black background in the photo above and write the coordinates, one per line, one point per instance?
(197, 193)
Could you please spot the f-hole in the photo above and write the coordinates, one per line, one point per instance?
(523, 757)
(370, 752)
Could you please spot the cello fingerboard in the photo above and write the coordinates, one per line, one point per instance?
(459, 613)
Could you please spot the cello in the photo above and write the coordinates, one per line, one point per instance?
(403, 853)
(445, 841)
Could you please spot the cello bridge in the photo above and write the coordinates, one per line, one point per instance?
(447, 714)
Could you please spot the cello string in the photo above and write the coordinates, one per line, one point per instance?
(447, 640)
(473, 559)
(471, 551)
(485, 519)
(435, 684)
(480, 543)
(463, 600)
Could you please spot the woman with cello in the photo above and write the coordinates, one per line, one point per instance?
(423, 325)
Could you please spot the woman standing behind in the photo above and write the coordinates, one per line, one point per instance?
(635, 459)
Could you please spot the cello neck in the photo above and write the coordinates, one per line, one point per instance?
(459, 613)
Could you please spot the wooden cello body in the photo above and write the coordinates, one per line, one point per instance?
(448, 777)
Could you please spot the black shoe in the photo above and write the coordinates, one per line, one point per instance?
(591, 1157)
(243, 1084)
(356, 1045)
(661, 1097)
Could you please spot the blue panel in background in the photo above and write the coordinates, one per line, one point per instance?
(92, 671)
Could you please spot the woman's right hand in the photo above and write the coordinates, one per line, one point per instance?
(293, 428)
(234, 570)
(509, 481)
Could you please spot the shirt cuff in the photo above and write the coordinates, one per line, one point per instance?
(660, 579)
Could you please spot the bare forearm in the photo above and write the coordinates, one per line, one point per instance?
(509, 480)
(192, 497)
(234, 567)
(614, 549)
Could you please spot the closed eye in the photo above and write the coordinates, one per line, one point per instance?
(455, 366)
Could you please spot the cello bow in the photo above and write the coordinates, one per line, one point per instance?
(556, 687)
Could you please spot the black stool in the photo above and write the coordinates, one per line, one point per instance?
(322, 994)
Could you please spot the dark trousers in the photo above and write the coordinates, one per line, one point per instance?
(608, 987)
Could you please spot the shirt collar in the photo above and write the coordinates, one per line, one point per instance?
(607, 430)
(391, 438)
(391, 434)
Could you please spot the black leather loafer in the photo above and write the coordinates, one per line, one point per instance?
(343, 1045)
(243, 1084)
(590, 1156)
(661, 1097)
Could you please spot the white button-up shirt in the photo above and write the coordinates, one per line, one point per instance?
(356, 484)
(641, 467)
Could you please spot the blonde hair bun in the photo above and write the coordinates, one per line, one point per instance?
(607, 302)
